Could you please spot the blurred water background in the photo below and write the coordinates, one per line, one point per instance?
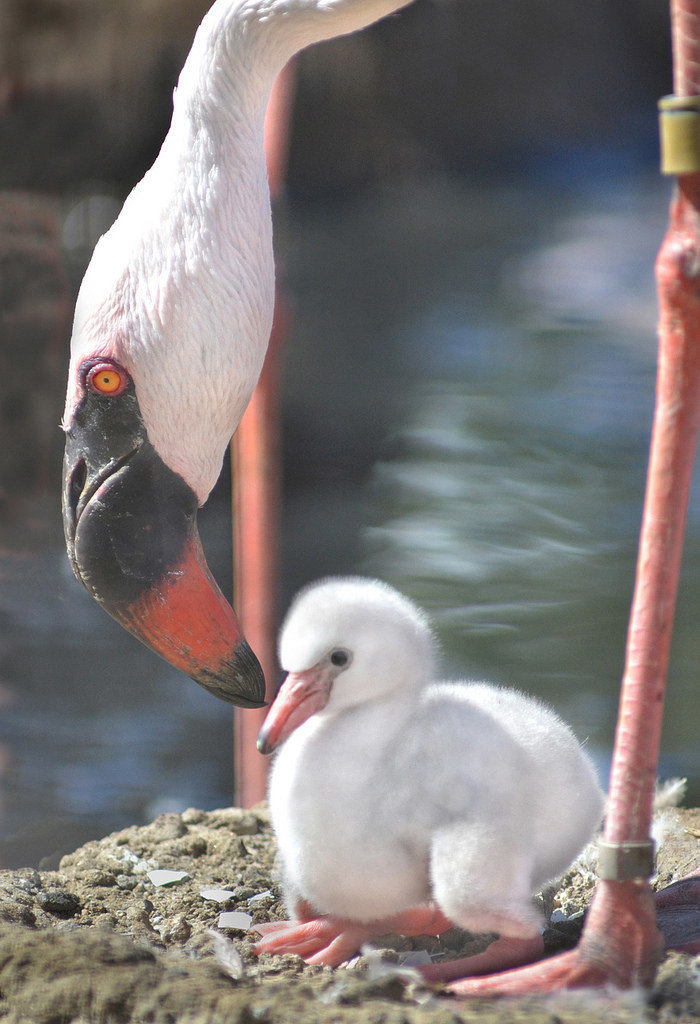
(467, 392)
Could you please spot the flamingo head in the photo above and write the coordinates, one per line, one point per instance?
(345, 642)
(162, 366)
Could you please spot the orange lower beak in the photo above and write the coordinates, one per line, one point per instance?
(300, 696)
(187, 620)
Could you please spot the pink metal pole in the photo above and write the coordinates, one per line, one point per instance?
(256, 492)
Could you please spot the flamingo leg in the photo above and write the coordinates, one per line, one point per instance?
(500, 955)
(620, 946)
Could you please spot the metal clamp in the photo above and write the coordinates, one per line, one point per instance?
(679, 128)
(618, 862)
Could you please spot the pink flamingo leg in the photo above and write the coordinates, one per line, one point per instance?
(502, 954)
(620, 946)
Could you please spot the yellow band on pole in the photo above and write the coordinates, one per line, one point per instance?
(679, 127)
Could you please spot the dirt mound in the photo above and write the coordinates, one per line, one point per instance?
(128, 929)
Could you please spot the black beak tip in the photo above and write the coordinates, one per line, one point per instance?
(241, 681)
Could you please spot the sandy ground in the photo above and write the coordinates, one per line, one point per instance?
(99, 941)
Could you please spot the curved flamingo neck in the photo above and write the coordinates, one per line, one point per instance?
(242, 45)
(181, 289)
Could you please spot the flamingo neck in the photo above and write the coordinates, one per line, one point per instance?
(242, 45)
(181, 288)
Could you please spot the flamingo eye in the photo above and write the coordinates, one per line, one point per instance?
(104, 377)
(340, 657)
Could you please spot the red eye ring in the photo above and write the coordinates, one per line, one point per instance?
(104, 377)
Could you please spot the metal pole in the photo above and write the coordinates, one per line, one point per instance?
(256, 492)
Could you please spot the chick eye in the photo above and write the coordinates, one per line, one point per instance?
(340, 657)
(104, 377)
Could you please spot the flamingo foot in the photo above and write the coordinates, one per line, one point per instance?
(322, 940)
(565, 971)
(620, 946)
(503, 953)
(330, 940)
(678, 914)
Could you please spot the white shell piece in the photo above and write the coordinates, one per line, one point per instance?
(235, 919)
(162, 877)
(260, 896)
(216, 895)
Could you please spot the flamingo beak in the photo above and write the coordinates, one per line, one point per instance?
(131, 533)
(299, 697)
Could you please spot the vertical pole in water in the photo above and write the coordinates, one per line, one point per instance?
(256, 493)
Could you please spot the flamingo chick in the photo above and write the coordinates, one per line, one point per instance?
(406, 805)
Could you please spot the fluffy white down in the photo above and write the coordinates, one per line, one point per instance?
(181, 288)
(465, 792)
(341, 612)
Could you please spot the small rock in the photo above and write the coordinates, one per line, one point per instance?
(196, 846)
(137, 915)
(193, 816)
(164, 828)
(129, 859)
(105, 921)
(175, 929)
(236, 820)
(127, 881)
(16, 906)
(255, 876)
(138, 922)
(98, 878)
(59, 902)
(170, 826)
(28, 879)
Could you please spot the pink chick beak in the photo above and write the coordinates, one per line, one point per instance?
(300, 696)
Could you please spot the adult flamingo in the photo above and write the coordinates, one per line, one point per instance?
(171, 326)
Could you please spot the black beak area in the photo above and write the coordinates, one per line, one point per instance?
(131, 533)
